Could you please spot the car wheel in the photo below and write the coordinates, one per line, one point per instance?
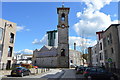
(22, 74)
(89, 78)
(112, 78)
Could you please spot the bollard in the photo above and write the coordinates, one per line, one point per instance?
(36, 71)
(41, 70)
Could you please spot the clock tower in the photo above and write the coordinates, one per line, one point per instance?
(63, 37)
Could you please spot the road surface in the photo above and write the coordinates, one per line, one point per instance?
(54, 74)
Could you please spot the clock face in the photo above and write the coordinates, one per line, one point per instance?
(63, 26)
(63, 18)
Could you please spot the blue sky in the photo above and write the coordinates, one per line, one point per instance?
(35, 18)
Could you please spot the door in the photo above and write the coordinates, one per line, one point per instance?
(8, 64)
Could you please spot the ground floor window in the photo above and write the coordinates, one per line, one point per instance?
(62, 52)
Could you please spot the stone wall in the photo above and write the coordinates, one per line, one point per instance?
(46, 62)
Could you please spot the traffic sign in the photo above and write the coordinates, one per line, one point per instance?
(109, 60)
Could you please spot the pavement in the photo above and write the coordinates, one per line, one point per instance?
(53, 73)
(1, 76)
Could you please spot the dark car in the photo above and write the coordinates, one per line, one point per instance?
(76, 67)
(20, 71)
(99, 74)
(80, 70)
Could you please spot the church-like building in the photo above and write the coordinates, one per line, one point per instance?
(56, 54)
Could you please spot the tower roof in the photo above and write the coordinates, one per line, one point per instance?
(63, 8)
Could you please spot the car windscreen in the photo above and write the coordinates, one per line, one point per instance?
(19, 68)
(101, 70)
(93, 70)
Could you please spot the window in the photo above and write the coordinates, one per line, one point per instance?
(35, 62)
(8, 64)
(100, 70)
(63, 17)
(62, 52)
(110, 38)
(11, 37)
(104, 42)
(114, 64)
(112, 51)
(93, 70)
(96, 58)
(10, 51)
(101, 57)
(100, 46)
(105, 54)
(71, 61)
(1, 33)
(95, 51)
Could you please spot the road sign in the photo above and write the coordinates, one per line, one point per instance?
(109, 60)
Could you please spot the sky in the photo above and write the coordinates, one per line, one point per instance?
(34, 19)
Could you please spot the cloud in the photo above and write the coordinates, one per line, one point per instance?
(24, 51)
(27, 29)
(91, 19)
(115, 15)
(72, 39)
(43, 41)
(81, 41)
(21, 28)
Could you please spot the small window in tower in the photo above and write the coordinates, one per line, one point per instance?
(62, 52)
(63, 17)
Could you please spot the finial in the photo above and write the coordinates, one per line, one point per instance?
(62, 4)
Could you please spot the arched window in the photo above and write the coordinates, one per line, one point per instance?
(62, 52)
(63, 17)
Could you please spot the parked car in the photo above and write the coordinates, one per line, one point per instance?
(28, 66)
(76, 67)
(20, 71)
(80, 70)
(99, 73)
(17, 65)
(34, 66)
